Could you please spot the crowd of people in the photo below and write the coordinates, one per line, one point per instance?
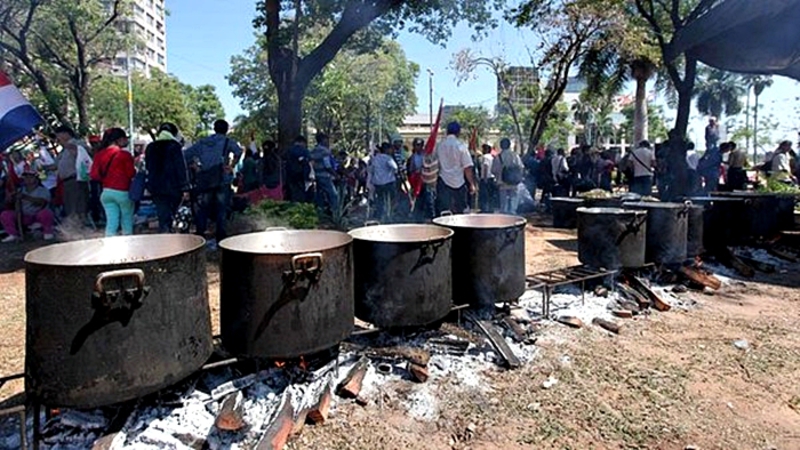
(62, 178)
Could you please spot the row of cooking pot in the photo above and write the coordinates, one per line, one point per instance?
(114, 319)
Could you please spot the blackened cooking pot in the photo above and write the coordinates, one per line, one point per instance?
(113, 319)
(564, 211)
(402, 274)
(611, 238)
(725, 222)
(285, 294)
(667, 231)
(488, 258)
(767, 213)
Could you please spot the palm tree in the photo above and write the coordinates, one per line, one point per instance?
(606, 71)
(718, 92)
(757, 83)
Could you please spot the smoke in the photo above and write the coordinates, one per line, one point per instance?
(242, 224)
(73, 229)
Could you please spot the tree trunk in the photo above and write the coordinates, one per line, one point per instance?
(290, 115)
(640, 124)
(685, 89)
(755, 129)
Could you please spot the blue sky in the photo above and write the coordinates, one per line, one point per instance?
(202, 35)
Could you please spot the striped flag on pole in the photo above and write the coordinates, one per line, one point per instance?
(430, 145)
(17, 116)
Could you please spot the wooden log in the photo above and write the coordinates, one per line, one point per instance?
(278, 431)
(701, 278)
(758, 265)
(782, 254)
(641, 286)
(419, 373)
(319, 413)
(231, 414)
(518, 334)
(622, 313)
(570, 321)
(633, 295)
(606, 325)
(350, 387)
(497, 341)
(727, 258)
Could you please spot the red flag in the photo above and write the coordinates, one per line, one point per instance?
(431, 144)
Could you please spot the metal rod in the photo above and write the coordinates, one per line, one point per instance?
(226, 362)
(23, 429)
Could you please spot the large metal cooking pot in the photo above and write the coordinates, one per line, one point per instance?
(285, 294)
(611, 238)
(724, 222)
(564, 211)
(667, 231)
(402, 274)
(113, 319)
(488, 258)
(762, 212)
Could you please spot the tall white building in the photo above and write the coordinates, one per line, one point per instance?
(147, 21)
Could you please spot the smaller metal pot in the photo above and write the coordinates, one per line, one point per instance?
(565, 211)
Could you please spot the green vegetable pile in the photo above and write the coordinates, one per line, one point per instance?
(302, 216)
(596, 193)
(779, 187)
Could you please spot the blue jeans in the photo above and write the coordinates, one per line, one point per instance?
(326, 192)
(425, 205)
(119, 211)
(642, 185)
(509, 201)
(208, 203)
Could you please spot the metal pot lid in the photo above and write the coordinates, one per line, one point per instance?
(482, 221)
(715, 199)
(286, 242)
(616, 211)
(401, 234)
(115, 250)
(567, 199)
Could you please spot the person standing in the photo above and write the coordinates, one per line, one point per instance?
(298, 170)
(75, 184)
(167, 180)
(712, 133)
(321, 162)
(486, 180)
(643, 160)
(113, 168)
(509, 173)
(383, 173)
(781, 167)
(737, 161)
(456, 177)
(271, 171)
(708, 167)
(210, 161)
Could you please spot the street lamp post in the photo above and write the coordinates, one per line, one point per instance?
(430, 98)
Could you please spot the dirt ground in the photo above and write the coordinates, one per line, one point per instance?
(668, 381)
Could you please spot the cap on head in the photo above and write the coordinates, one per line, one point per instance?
(418, 141)
(453, 128)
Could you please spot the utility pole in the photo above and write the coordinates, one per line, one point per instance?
(130, 104)
(430, 98)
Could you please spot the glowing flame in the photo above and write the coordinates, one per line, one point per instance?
(303, 364)
(280, 364)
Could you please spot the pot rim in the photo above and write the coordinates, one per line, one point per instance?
(373, 233)
(514, 221)
(84, 252)
(653, 205)
(616, 211)
(239, 244)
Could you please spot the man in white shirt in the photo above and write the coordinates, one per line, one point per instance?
(781, 163)
(487, 180)
(455, 172)
(643, 160)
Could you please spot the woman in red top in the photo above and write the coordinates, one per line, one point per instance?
(113, 168)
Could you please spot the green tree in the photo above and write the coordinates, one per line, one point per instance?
(205, 106)
(655, 119)
(358, 22)
(719, 92)
(355, 96)
(569, 30)
(663, 20)
(61, 44)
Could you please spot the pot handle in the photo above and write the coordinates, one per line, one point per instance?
(445, 213)
(371, 223)
(124, 273)
(276, 229)
(307, 262)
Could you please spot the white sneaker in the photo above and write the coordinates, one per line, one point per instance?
(10, 238)
(49, 236)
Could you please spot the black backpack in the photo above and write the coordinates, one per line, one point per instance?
(512, 174)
